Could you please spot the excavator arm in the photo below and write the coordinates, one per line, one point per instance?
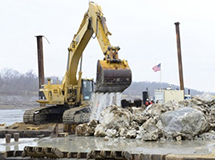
(113, 74)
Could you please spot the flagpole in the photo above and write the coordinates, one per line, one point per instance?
(157, 68)
(160, 76)
(160, 79)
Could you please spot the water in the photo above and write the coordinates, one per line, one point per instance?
(17, 145)
(11, 116)
(74, 143)
(86, 144)
(101, 101)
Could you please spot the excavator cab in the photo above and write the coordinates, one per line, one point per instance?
(87, 88)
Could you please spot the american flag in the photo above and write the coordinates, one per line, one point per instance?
(157, 67)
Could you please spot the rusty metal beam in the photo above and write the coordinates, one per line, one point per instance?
(179, 56)
(40, 60)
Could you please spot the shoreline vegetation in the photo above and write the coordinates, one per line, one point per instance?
(18, 90)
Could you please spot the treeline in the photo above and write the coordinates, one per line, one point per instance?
(136, 89)
(14, 83)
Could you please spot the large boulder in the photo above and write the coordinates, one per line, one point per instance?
(186, 122)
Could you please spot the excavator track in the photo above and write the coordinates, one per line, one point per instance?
(57, 114)
(42, 115)
(77, 115)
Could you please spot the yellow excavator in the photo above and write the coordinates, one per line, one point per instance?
(69, 101)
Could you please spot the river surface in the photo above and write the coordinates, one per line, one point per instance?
(86, 144)
(10, 116)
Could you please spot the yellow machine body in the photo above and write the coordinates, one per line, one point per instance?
(68, 102)
(113, 74)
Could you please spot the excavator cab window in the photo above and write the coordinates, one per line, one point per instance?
(87, 89)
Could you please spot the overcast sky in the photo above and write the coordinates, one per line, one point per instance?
(144, 30)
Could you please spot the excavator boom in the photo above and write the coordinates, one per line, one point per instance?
(113, 74)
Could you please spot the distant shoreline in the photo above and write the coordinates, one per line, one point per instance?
(4, 107)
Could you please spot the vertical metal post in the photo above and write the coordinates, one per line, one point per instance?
(179, 56)
(40, 60)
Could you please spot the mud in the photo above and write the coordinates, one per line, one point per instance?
(21, 126)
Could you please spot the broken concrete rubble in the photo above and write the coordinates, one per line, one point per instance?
(188, 119)
(86, 129)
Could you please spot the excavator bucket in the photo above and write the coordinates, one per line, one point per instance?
(112, 76)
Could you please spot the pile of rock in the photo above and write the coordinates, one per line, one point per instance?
(189, 119)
